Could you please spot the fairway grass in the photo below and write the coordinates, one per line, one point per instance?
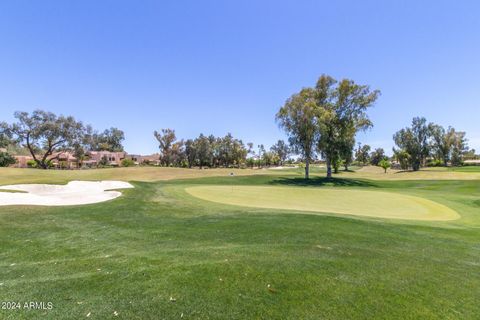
(157, 252)
(355, 202)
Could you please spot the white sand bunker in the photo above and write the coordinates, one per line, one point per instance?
(73, 193)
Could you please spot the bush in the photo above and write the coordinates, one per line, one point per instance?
(6, 159)
(435, 163)
(31, 164)
(128, 163)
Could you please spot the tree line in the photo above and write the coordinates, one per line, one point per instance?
(424, 141)
(45, 134)
(320, 121)
(213, 152)
(324, 120)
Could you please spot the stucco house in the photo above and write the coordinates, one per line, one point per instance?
(113, 158)
(153, 159)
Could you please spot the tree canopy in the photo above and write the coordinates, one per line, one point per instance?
(326, 118)
(429, 140)
(44, 133)
(298, 117)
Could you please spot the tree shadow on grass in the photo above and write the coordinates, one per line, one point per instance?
(322, 182)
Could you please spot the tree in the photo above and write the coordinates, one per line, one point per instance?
(165, 138)
(459, 148)
(362, 155)
(341, 113)
(448, 145)
(415, 141)
(6, 159)
(376, 156)
(441, 143)
(204, 151)
(298, 118)
(177, 155)
(5, 135)
(281, 150)
(190, 152)
(385, 164)
(261, 154)
(45, 133)
(403, 158)
(109, 140)
(346, 145)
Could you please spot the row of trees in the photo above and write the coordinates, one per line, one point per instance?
(45, 134)
(363, 156)
(422, 141)
(211, 151)
(325, 119)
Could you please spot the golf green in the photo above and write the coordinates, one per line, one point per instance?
(328, 200)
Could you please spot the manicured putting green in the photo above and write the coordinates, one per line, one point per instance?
(355, 202)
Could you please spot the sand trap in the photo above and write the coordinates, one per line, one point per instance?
(73, 193)
(368, 203)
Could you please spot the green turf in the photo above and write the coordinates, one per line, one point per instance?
(132, 254)
(378, 204)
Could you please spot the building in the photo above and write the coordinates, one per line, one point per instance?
(22, 161)
(112, 158)
(66, 160)
(153, 159)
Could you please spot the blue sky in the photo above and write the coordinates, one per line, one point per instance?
(227, 66)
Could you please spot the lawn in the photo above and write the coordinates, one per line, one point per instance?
(158, 252)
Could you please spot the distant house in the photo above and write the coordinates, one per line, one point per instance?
(113, 158)
(22, 161)
(472, 162)
(64, 160)
(153, 159)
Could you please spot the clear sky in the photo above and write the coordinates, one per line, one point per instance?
(227, 66)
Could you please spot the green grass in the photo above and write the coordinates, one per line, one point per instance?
(132, 254)
(355, 202)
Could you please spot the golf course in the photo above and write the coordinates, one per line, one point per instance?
(247, 244)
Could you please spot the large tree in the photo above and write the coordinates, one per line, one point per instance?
(447, 145)
(298, 118)
(415, 142)
(376, 156)
(204, 150)
(191, 152)
(341, 113)
(108, 140)
(362, 155)
(5, 135)
(281, 150)
(459, 148)
(46, 134)
(165, 138)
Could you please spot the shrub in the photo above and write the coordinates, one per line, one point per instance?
(128, 163)
(6, 159)
(31, 164)
(103, 162)
(435, 163)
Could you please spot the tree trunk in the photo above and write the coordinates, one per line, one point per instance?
(307, 168)
(329, 168)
